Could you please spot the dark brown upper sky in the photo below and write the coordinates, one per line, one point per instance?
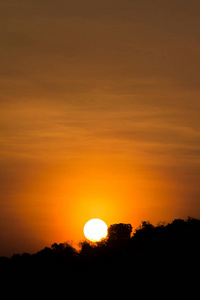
(100, 106)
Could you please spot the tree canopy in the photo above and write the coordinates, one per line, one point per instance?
(153, 246)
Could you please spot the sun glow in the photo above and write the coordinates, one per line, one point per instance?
(95, 230)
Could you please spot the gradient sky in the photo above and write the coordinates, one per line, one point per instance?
(100, 105)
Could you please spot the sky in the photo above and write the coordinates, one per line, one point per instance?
(99, 110)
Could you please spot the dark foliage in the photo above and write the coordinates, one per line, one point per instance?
(119, 232)
(173, 248)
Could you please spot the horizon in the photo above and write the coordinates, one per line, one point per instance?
(99, 118)
(78, 246)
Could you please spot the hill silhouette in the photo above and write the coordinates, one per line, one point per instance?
(154, 261)
(174, 245)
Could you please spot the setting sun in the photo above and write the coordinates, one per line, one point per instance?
(95, 230)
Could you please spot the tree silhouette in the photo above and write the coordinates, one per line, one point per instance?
(174, 247)
(119, 232)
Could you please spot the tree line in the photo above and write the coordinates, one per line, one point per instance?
(177, 244)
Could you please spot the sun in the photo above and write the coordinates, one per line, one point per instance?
(95, 230)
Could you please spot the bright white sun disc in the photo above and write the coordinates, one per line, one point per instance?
(95, 230)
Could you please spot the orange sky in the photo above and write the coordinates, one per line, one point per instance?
(99, 116)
